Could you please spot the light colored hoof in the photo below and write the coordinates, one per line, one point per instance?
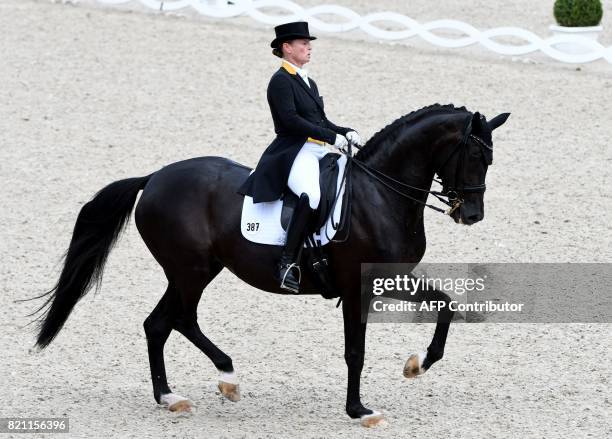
(374, 420)
(230, 391)
(414, 365)
(181, 406)
(176, 403)
(228, 385)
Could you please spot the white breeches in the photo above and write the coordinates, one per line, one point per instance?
(304, 174)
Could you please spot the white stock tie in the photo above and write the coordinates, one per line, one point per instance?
(304, 75)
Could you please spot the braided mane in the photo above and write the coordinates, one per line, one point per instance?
(377, 139)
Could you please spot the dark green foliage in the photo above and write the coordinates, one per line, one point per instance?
(578, 13)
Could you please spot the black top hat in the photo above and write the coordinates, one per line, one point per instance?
(290, 31)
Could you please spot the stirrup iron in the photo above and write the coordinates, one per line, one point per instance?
(288, 269)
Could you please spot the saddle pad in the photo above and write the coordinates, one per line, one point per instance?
(261, 222)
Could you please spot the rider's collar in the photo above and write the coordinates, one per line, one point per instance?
(293, 69)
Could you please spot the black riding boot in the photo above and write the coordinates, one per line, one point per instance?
(289, 266)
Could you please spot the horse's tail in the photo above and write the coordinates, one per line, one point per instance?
(97, 227)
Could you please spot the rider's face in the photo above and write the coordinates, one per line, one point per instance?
(297, 51)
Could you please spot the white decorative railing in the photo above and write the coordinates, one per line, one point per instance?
(592, 50)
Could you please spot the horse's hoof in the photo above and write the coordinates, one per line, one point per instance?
(228, 385)
(414, 365)
(176, 403)
(374, 420)
(181, 406)
(230, 391)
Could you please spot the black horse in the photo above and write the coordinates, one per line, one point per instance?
(189, 217)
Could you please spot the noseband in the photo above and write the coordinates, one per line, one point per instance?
(452, 194)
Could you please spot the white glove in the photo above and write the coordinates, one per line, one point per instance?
(353, 137)
(340, 142)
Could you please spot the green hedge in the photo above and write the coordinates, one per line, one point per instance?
(578, 13)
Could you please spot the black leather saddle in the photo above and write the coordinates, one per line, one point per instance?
(328, 183)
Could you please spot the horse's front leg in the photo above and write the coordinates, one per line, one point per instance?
(354, 352)
(418, 364)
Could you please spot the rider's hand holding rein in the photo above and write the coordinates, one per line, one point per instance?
(341, 141)
(353, 137)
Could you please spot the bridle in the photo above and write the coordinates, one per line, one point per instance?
(452, 194)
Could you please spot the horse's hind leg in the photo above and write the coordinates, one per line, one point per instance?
(228, 382)
(157, 329)
(190, 287)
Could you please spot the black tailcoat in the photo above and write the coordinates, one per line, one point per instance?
(297, 112)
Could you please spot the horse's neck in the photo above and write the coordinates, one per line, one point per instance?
(412, 152)
(378, 203)
(408, 158)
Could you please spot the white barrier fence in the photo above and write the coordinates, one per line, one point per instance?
(591, 50)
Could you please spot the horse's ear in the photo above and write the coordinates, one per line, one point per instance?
(476, 124)
(498, 121)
